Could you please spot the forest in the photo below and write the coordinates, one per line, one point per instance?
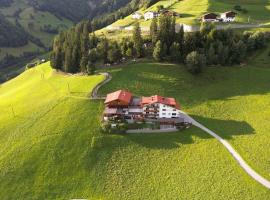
(10, 35)
(74, 51)
(5, 3)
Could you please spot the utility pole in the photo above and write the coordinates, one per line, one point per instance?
(68, 88)
(12, 111)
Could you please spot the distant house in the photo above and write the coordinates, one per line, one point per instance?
(137, 15)
(150, 15)
(122, 104)
(170, 13)
(228, 16)
(210, 17)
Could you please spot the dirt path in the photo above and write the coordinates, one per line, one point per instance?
(251, 172)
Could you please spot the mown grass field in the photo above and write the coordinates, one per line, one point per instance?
(51, 146)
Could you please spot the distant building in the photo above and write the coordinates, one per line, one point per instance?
(210, 17)
(228, 16)
(170, 13)
(150, 15)
(137, 15)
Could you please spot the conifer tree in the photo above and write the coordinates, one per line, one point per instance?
(154, 31)
(137, 39)
(158, 53)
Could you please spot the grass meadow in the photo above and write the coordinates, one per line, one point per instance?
(258, 11)
(51, 146)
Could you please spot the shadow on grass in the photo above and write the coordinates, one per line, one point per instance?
(218, 83)
(185, 15)
(225, 128)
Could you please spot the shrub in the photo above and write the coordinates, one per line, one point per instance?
(238, 8)
(195, 62)
(106, 127)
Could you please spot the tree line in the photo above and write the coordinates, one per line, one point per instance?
(79, 49)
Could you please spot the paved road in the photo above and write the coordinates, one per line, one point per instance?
(233, 152)
(189, 28)
(94, 94)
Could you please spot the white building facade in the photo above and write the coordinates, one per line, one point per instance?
(150, 15)
(227, 18)
(159, 110)
(136, 15)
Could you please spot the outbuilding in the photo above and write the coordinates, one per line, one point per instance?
(210, 17)
(228, 16)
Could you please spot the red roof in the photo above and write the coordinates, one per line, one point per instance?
(120, 95)
(159, 99)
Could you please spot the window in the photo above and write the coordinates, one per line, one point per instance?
(163, 109)
(163, 113)
(173, 114)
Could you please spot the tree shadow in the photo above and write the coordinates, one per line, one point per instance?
(225, 128)
(165, 79)
(185, 15)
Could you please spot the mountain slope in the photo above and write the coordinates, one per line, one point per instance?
(256, 11)
(51, 146)
(41, 20)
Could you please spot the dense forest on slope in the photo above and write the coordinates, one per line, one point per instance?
(41, 20)
(11, 35)
(87, 8)
(4, 3)
(73, 50)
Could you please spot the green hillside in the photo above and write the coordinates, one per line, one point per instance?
(27, 27)
(51, 146)
(258, 11)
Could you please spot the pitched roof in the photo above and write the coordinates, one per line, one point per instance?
(159, 99)
(120, 95)
(230, 13)
(210, 16)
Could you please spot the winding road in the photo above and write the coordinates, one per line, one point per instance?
(251, 172)
(94, 94)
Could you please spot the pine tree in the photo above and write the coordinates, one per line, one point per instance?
(175, 54)
(158, 53)
(138, 41)
(211, 55)
(68, 59)
(195, 62)
(179, 38)
(91, 68)
(103, 48)
(83, 64)
(114, 54)
(154, 31)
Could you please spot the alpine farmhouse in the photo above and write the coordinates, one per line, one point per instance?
(123, 105)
